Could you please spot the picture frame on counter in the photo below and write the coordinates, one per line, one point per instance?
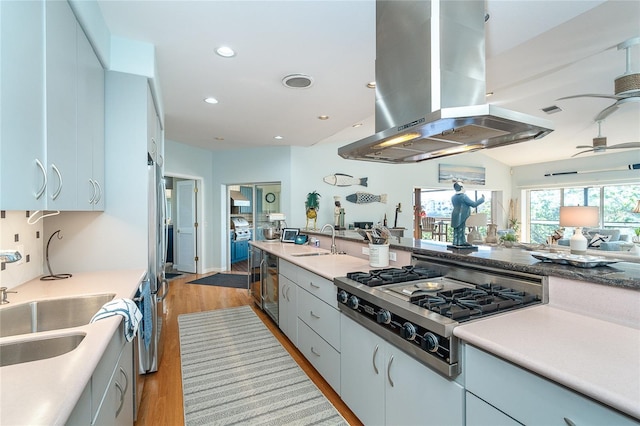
(289, 235)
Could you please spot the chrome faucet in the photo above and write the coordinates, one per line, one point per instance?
(3, 295)
(334, 249)
(9, 256)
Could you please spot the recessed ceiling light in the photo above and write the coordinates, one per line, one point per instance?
(371, 85)
(278, 137)
(225, 52)
(297, 81)
(219, 138)
(323, 117)
(211, 100)
(489, 94)
(357, 125)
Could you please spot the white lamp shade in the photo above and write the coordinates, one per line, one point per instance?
(578, 216)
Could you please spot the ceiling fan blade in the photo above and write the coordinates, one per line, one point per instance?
(625, 145)
(592, 95)
(582, 152)
(583, 146)
(606, 112)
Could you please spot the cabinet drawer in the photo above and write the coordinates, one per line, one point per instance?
(521, 394)
(322, 356)
(289, 270)
(105, 368)
(322, 318)
(318, 286)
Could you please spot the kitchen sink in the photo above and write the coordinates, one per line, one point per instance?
(34, 350)
(55, 314)
(308, 254)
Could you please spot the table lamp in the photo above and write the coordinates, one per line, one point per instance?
(578, 217)
(473, 221)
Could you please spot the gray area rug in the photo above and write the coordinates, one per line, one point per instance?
(234, 371)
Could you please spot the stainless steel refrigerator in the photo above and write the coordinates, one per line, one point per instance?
(149, 345)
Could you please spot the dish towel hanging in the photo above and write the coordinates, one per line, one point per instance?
(145, 307)
(127, 309)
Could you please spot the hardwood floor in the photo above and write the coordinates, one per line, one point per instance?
(162, 391)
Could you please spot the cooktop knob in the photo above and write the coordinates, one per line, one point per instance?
(430, 342)
(343, 296)
(408, 331)
(353, 302)
(384, 316)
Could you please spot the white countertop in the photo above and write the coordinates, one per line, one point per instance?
(45, 392)
(329, 266)
(595, 357)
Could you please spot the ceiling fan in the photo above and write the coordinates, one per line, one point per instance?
(627, 86)
(600, 144)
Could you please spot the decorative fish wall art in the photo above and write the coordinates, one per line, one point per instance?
(365, 198)
(341, 179)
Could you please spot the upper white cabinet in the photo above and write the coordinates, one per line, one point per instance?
(51, 110)
(75, 114)
(22, 123)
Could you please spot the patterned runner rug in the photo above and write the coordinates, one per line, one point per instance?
(234, 371)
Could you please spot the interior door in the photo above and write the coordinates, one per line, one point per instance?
(186, 225)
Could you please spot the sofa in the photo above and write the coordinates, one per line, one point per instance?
(616, 241)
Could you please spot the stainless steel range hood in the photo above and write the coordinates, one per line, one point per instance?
(430, 86)
(239, 200)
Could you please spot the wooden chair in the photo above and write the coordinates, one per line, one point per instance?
(436, 229)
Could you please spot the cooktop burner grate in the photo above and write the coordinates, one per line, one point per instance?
(377, 277)
(468, 303)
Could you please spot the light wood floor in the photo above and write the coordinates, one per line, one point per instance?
(162, 391)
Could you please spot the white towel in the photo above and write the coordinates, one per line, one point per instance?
(127, 309)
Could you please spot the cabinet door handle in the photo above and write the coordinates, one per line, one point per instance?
(313, 285)
(389, 371)
(44, 180)
(121, 405)
(126, 379)
(57, 192)
(313, 351)
(99, 195)
(287, 294)
(569, 422)
(93, 186)
(314, 315)
(373, 359)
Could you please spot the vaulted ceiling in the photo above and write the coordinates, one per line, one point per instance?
(537, 51)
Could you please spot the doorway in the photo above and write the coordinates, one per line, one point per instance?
(183, 213)
(263, 199)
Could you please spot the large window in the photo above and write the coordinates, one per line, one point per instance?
(615, 203)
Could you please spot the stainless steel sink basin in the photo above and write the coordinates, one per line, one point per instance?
(34, 350)
(308, 254)
(55, 314)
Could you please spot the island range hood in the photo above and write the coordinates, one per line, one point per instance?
(430, 86)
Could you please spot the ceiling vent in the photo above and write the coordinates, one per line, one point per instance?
(297, 81)
(552, 109)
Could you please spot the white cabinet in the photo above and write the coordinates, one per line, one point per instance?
(75, 114)
(529, 398)
(90, 127)
(22, 94)
(383, 385)
(287, 306)
(310, 318)
(108, 397)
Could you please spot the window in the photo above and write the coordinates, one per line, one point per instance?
(616, 203)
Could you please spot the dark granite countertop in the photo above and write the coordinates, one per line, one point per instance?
(625, 273)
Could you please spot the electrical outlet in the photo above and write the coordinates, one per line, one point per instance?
(20, 248)
(365, 250)
(392, 256)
